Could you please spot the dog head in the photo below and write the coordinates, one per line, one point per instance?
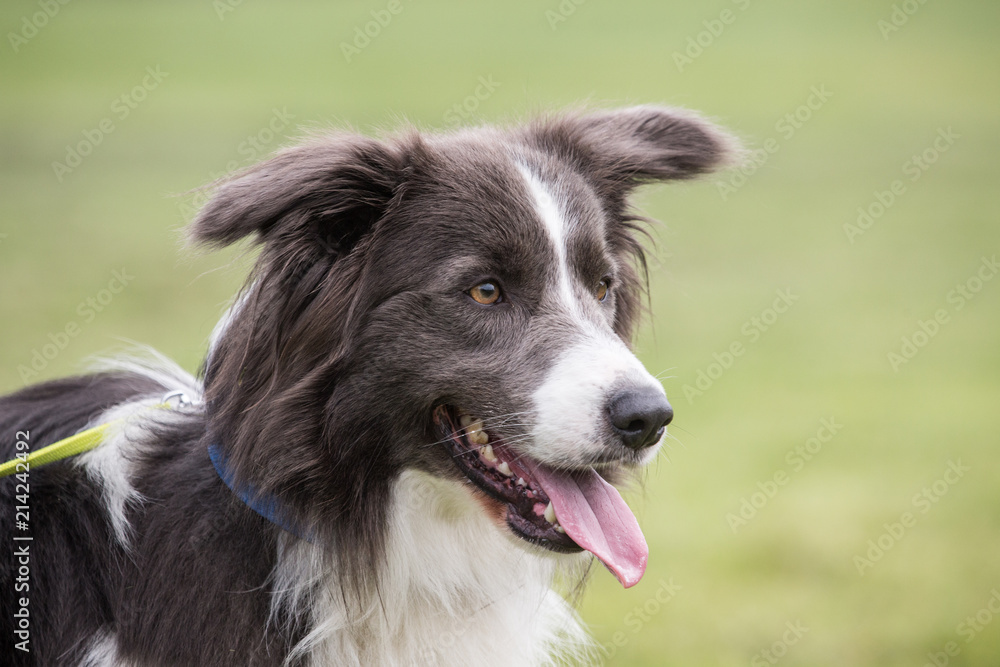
(460, 304)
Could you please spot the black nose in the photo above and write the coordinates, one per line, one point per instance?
(639, 416)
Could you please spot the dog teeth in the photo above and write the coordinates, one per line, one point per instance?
(487, 453)
(550, 516)
(465, 420)
(475, 433)
(521, 482)
(505, 469)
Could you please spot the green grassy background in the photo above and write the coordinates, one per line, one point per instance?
(718, 264)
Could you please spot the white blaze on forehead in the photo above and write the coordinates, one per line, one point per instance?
(570, 405)
(557, 230)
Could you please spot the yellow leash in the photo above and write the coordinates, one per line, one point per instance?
(71, 446)
(81, 442)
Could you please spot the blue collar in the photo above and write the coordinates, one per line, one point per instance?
(263, 504)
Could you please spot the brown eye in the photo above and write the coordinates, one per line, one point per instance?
(602, 289)
(485, 293)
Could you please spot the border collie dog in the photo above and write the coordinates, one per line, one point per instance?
(404, 445)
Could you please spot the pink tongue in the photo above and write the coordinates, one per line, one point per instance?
(593, 513)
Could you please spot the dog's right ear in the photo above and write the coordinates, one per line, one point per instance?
(331, 190)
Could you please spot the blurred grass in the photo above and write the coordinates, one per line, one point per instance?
(718, 264)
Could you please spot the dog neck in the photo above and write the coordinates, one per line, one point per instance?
(453, 590)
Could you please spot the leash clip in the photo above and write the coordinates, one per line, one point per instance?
(182, 399)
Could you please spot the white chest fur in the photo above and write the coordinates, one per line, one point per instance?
(455, 590)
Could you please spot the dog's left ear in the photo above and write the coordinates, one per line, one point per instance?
(622, 148)
(617, 150)
(330, 190)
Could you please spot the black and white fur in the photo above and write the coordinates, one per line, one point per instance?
(321, 383)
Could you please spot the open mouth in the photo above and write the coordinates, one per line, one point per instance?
(561, 511)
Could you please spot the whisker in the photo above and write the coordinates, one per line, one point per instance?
(660, 376)
(675, 427)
